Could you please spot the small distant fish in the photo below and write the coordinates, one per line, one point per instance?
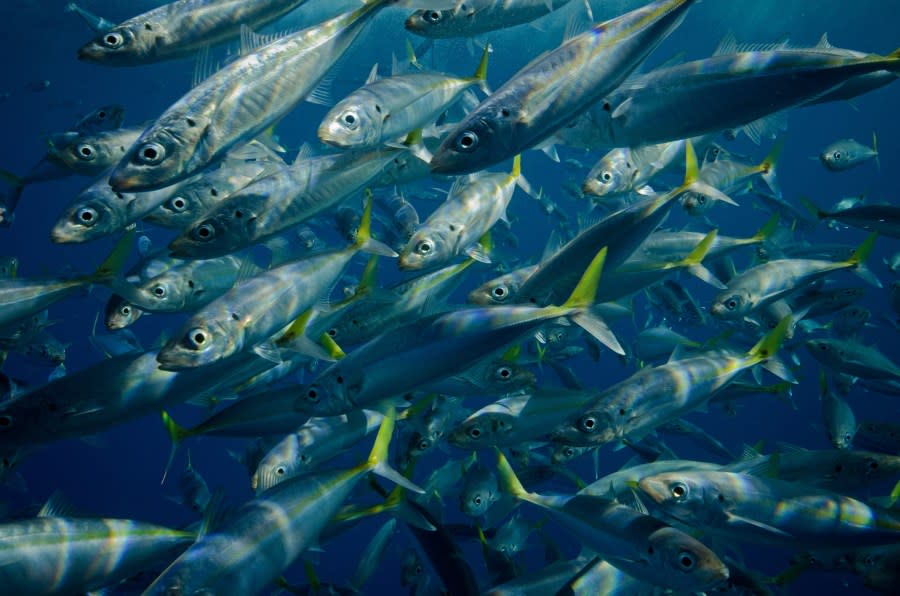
(849, 153)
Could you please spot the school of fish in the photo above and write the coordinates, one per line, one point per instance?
(369, 284)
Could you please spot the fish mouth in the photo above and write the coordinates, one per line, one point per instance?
(89, 51)
(62, 235)
(174, 360)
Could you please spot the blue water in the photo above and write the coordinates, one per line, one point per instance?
(122, 478)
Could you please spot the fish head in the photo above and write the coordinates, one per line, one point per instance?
(179, 204)
(120, 313)
(124, 45)
(475, 501)
(731, 305)
(506, 377)
(695, 204)
(77, 152)
(419, 444)
(823, 350)
(429, 23)
(229, 227)
(331, 393)
(675, 493)
(166, 292)
(478, 431)
(282, 462)
(611, 175)
(683, 562)
(563, 454)
(834, 158)
(170, 150)
(86, 220)
(352, 125)
(486, 137)
(494, 292)
(596, 427)
(429, 247)
(201, 342)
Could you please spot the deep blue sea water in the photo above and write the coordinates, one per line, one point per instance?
(122, 478)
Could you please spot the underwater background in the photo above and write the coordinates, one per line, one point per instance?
(44, 89)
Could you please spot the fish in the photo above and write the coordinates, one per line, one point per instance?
(776, 279)
(213, 564)
(317, 441)
(721, 92)
(751, 508)
(216, 115)
(270, 205)
(555, 88)
(21, 298)
(631, 541)
(177, 29)
(475, 203)
(442, 345)
(58, 554)
(477, 17)
(248, 315)
(653, 396)
(390, 108)
(848, 153)
(884, 219)
(854, 358)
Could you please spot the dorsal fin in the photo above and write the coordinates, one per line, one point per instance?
(58, 506)
(727, 45)
(204, 66)
(823, 42)
(373, 74)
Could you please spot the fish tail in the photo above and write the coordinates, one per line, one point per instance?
(586, 291)
(692, 182)
(411, 56)
(378, 457)
(11, 179)
(364, 240)
(509, 482)
(863, 251)
(813, 208)
(114, 264)
(767, 167)
(767, 231)
(769, 345)
(480, 74)
(177, 434)
(875, 150)
(694, 260)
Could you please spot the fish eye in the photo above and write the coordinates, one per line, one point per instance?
(467, 141)
(312, 395)
(588, 424)
(151, 153)
(679, 490)
(350, 120)
(196, 338)
(332, 332)
(125, 310)
(424, 247)
(304, 457)
(871, 464)
(836, 155)
(113, 40)
(701, 199)
(86, 152)
(504, 373)
(686, 560)
(86, 216)
(159, 291)
(474, 432)
(731, 304)
(869, 561)
(432, 16)
(499, 292)
(280, 470)
(606, 177)
(205, 232)
(179, 204)
(477, 500)
(423, 445)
